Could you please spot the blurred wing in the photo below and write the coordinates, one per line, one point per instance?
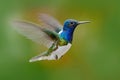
(50, 22)
(33, 31)
(57, 54)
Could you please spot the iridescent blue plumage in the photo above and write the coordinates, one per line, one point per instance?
(68, 29)
(58, 39)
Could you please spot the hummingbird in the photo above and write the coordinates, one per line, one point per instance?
(56, 37)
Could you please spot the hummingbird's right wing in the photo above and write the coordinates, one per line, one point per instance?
(34, 32)
(51, 22)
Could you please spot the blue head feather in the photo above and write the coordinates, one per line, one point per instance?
(68, 29)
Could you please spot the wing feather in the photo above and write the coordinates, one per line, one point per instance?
(33, 31)
(49, 21)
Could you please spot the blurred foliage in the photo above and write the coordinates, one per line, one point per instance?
(95, 54)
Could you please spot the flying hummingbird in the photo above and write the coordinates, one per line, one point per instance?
(57, 38)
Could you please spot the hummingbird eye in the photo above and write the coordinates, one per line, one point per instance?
(71, 24)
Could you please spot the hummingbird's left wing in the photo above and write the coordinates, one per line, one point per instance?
(35, 32)
(50, 22)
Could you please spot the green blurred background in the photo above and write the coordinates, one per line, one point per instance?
(95, 54)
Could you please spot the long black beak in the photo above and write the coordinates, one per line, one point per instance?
(83, 22)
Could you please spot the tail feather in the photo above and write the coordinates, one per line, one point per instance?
(42, 57)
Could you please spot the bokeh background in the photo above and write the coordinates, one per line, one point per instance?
(95, 54)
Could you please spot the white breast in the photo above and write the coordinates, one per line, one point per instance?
(60, 32)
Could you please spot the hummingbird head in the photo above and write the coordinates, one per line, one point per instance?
(69, 27)
(71, 24)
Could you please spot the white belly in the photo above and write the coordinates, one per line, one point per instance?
(57, 54)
